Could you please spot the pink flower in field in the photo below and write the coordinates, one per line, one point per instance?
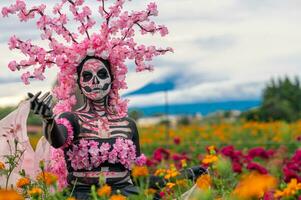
(141, 160)
(257, 167)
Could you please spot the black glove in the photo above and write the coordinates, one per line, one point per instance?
(41, 106)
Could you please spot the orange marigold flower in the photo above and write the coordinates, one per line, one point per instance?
(170, 185)
(291, 189)
(254, 185)
(140, 171)
(10, 195)
(160, 172)
(23, 182)
(104, 191)
(2, 166)
(71, 198)
(35, 192)
(118, 197)
(172, 172)
(204, 182)
(209, 159)
(47, 177)
(183, 163)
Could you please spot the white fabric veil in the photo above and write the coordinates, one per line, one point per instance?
(14, 127)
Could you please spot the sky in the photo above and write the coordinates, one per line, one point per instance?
(224, 50)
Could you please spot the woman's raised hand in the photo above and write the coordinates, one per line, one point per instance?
(41, 106)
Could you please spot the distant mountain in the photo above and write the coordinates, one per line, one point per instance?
(152, 88)
(202, 108)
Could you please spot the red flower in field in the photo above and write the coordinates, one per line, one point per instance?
(257, 167)
(150, 162)
(160, 154)
(290, 174)
(162, 194)
(259, 152)
(177, 140)
(178, 159)
(230, 152)
(268, 196)
(236, 167)
(297, 156)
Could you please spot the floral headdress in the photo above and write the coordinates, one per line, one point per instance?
(114, 41)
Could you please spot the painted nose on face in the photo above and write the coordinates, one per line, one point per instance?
(95, 80)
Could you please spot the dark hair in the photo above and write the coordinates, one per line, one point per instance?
(81, 64)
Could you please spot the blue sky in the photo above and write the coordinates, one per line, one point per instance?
(224, 50)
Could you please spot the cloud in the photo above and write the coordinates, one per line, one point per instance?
(223, 49)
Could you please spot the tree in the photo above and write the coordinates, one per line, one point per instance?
(281, 101)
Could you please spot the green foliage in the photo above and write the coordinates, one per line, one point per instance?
(281, 101)
(4, 111)
(135, 114)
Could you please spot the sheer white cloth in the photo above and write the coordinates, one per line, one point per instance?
(14, 127)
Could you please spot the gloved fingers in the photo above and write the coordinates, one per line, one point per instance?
(43, 97)
(44, 105)
(49, 109)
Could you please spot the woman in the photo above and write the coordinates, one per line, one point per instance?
(89, 129)
(90, 135)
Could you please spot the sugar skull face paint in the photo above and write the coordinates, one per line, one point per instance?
(95, 79)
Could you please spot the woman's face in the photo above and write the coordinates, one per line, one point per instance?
(95, 80)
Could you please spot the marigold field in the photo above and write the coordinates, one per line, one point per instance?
(245, 160)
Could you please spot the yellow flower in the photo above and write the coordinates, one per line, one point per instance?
(71, 198)
(47, 177)
(10, 195)
(182, 182)
(140, 171)
(291, 189)
(172, 172)
(2, 166)
(212, 149)
(170, 185)
(118, 197)
(150, 191)
(254, 185)
(35, 192)
(209, 159)
(183, 163)
(23, 182)
(204, 182)
(104, 191)
(160, 172)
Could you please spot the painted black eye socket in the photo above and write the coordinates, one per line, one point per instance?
(102, 73)
(87, 76)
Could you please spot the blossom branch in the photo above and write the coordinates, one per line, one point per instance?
(76, 14)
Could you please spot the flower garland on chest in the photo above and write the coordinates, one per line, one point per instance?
(89, 154)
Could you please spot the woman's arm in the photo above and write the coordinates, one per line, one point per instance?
(58, 131)
(62, 130)
(135, 138)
